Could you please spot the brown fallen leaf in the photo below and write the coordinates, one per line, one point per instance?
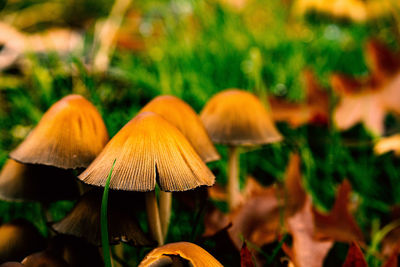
(392, 261)
(260, 217)
(314, 110)
(339, 224)
(355, 257)
(306, 251)
(367, 100)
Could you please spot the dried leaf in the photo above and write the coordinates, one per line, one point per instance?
(368, 100)
(315, 110)
(355, 257)
(339, 224)
(183, 117)
(146, 148)
(245, 257)
(306, 250)
(51, 144)
(237, 117)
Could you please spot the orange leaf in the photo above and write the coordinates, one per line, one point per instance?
(355, 257)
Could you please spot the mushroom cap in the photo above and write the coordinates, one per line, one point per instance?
(75, 251)
(44, 259)
(19, 238)
(196, 255)
(146, 149)
(182, 116)
(84, 220)
(69, 135)
(28, 182)
(236, 117)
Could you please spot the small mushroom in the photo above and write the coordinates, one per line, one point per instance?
(84, 220)
(185, 119)
(176, 254)
(44, 259)
(238, 118)
(69, 135)
(28, 182)
(149, 150)
(19, 238)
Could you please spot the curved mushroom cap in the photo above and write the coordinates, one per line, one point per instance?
(27, 182)
(84, 221)
(19, 238)
(69, 135)
(236, 117)
(149, 148)
(44, 259)
(196, 255)
(183, 117)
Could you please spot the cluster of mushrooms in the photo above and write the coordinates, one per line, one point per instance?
(167, 145)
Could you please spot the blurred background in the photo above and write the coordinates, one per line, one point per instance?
(121, 54)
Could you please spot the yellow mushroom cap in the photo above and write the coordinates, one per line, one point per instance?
(183, 117)
(146, 148)
(236, 117)
(69, 135)
(196, 255)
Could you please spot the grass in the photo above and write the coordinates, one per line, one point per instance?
(201, 48)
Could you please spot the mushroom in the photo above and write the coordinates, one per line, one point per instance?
(84, 220)
(237, 118)
(29, 182)
(149, 150)
(19, 238)
(69, 135)
(180, 253)
(44, 259)
(185, 119)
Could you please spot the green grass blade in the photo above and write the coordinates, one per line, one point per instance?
(104, 223)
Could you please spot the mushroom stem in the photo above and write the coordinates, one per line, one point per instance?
(233, 177)
(165, 211)
(153, 217)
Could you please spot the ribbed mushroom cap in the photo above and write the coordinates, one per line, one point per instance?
(196, 255)
(69, 135)
(148, 148)
(183, 117)
(236, 117)
(84, 220)
(28, 182)
(18, 239)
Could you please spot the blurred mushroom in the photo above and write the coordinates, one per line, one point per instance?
(69, 135)
(84, 220)
(183, 117)
(237, 118)
(75, 251)
(28, 182)
(18, 239)
(148, 150)
(176, 254)
(44, 259)
(11, 264)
